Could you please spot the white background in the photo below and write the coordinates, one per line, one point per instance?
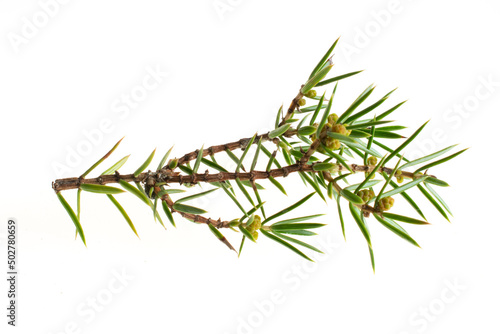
(229, 68)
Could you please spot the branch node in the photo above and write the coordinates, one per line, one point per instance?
(243, 143)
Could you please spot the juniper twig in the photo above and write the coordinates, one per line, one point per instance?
(321, 150)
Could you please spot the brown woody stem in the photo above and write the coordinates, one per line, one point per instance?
(198, 219)
(171, 177)
(195, 218)
(293, 105)
(240, 144)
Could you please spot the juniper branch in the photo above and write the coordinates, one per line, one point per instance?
(169, 177)
(308, 150)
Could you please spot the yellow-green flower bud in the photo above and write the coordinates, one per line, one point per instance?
(310, 94)
(256, 224)
(366, 195)
(332, 118)
(332, 144)
(386, 203)
(339, 128)
(372, 161)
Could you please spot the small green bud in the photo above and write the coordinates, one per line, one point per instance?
(417, 175)
(339, 128)
(332, 144)
(310, 94)
(372, 161)
(332, 118)
(386, 203)
(313, 136)
(334, 169)
(307, 130)
(256, 224)
(173, 163)
(366, 195)
(302, 102)
(283, 145)
(234, 222)
(255, 235)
